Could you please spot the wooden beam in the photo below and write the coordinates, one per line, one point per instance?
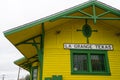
(103, 14)
(94, 13)
(85, 13)
(85, 17)
(22, 42)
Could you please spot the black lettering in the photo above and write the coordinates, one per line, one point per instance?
(69, 45)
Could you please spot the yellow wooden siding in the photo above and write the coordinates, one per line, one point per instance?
(57, 59)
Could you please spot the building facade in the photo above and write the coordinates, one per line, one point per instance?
(80, 43)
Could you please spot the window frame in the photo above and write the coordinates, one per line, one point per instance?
(33, 68)
(89, 52)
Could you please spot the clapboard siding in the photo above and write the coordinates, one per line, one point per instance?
(57, 59)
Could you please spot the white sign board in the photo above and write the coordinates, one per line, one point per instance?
(89, 46)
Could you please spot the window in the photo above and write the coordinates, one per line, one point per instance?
(80, 62)
(89, 62)
(97, 62)
(34, 73)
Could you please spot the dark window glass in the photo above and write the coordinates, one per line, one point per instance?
(35, 74)
(80, 62)
(98, 63)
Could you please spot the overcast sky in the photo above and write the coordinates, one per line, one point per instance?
(14, 13)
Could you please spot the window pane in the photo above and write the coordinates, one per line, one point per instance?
(35, 74)
(80, 62)
(98, 63)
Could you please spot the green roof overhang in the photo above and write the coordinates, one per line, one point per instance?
(26, 63)
(21, 62)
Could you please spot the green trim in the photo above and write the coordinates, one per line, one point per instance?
(41, 52)
(71, 60)
(84, 17)
(107, 18)
(89, 72)
(94, 13)
(107, 8)
(54, 77)
(92, 73)
(57, 77)
(86, 30)
(77, 17)
(48, 78)
(85, 13)
(89, 63)
(102, 14)
(35, 45)
(107, 60)
(25, 62)
(31, 73)
(43, 34)
(25, 41)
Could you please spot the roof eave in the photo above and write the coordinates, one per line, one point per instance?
(48, 18)
(107, 8)
(62, 13)
(20, 62)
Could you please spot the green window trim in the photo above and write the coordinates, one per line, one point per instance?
(33, 69)
(54, 77)
(48, 78)
(89, 64)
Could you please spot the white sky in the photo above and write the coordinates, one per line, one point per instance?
(14, 13)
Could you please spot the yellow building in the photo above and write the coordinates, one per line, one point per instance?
(79, 43)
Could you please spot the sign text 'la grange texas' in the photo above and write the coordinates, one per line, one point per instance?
(89, 46)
